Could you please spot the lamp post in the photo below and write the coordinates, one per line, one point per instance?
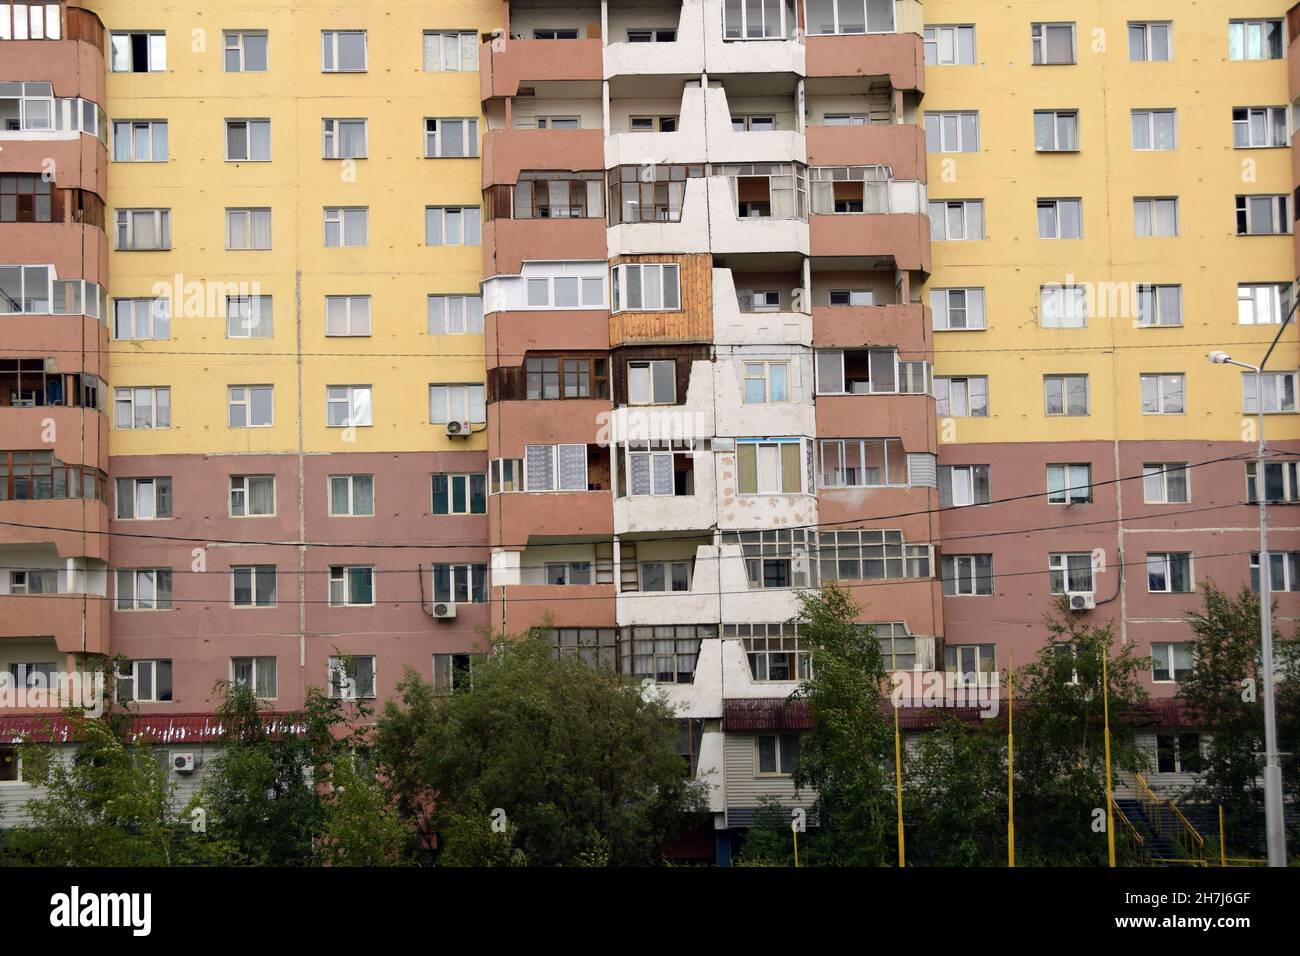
(1275, 832)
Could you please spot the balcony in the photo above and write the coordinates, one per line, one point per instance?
(682, 56)
(522, 62)
(762, 311)
(900, 146)
(847, 326)
(512, 424)
(902, 236)
(509, 243)
(511, 334)
(516, 608)
(73, 249)
(508, 152)
(518, 517)
(909, 417)
(78, 623)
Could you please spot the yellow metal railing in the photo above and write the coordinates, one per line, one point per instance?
(1136, 844)
(1169, 822)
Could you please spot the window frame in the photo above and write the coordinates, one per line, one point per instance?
(351, 480)
(329, 62)
(244, 489)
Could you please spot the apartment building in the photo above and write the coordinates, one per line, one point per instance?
(343, 332)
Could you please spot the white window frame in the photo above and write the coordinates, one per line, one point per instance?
(241, 398)
(156, 313)
(232, 41)
(472, 398)
(343, 220)
(1274, 297)
(951, 131)
(356, 316)
(1260, 26)
(1067, 563)
(641, 380)
(760, 371)
(1058, 116)
(1165, 560)
(1156, 475)
(936, 35)
(332, 140)
(1270, 115)
(963, 485)
(1063, 306)
(125, 229)
(1163, 393)
(1166, 652)
(248, 124)
(464, 40)
(131, 396)
(254, 572)
(124, 131)
(939, 222)
(258, 664)
(239, 489)
(329, 54)
(358, 400)
(1152, 300)
(249, 317)
(156, 51)
(663, 276)
(352, 482)
(445, 310)
(340, 585)
(468, 221)
(1056, 205)
(338, 681)
(764, 468)
(553, 479)
(966, 577)
(131, 489)
(1147, 118)
(1074, 483)
(1290, 475)
(1279, 214)
(1065, 379)
(1150, 206)
(1038, 37)
(435, 142)
(835, 474)
(134, 577)
(466, 481)
(741, 31)
(250, 214)
(1147, 45)
(969, 389)
(1276, 387)
(135, 668)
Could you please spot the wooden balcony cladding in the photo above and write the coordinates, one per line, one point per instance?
(682, 355)
(692, 323)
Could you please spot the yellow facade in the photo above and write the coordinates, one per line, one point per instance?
(397, 269)
(1205, 172)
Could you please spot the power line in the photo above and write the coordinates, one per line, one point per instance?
(687, 536)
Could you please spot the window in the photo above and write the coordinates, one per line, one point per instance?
(30, 21)
(141, 319)
(456, 314)
(138, 52)
(777, 656)
(776, 754)
(950, 45)
(759, 20)
(846, 119)
(451, 51)
(1284, 573)
(646, 288)
(1169, 571)
(457, 403)
(250, 406)
(459, 494)
(450, 138)
(967, 575)
(142, 407)
(851, 297)
(32, 675)
(253, 585)
(1263, 215)
(1255, 40)
(652, 36)
(952, 132)
(351, 677)
(449, 672)
(766, 382)
(547, 379)
(1069, 484)
(343, 51)
(140, 141)
(11, 764)
(758, 300)
(662, 653)
(248, 317)
(144, 229)
(555, 468)
(868, 372)
(347, 315)
(769, 467)
(352, 585)
(1155, 129)
(957, 219)
(666, 575)
(775, 558)
(347, 406)
(826, 17)
(347, 226)
(1259, 127)
(1165, 483)
(1162, 394)
(451, 226)
(1070, 572)
(1060, 219)
(867, 556)
(144, 681)
(352, 496)
(1065, 394)
(248, 229)
(146, 589)
(635, 124)
(1056, 131)
(963, 485)
(1263, 303)
(1171, 662)
(144, 498)
(344, 138)
(1160, 305)
(252, 496)
(1063, 306)
(1150, 42)
(255, 672)
(34, 581)
(39, 476)
(1178, 753)
(970, 664)
(26, 197)
(1279, 392)
(1053, 43)
(648, 194)
(551, 33)
(565, 573)
(460, 583)
(1281, 482)
(244, 51)
(27, 106)
(556, 194)
(564, 292)
(652, 383)
(897, 646)
(248, 139)
(964, 396)
(1155, 217)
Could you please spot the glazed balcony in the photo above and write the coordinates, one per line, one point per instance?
(509, 243)
(74, 62)
(74, 249)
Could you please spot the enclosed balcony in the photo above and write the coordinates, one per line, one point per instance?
(544, 210)
(867, 299)
(48, 596)
(752, 36)
(542, 43)
(864, 211)
(664, 485)
(843, 36)
(548, 490)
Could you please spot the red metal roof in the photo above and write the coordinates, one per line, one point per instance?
(153, 728)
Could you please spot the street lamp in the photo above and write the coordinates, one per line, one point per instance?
(1275, 832)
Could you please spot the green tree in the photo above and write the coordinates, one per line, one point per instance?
(106, 803)
(1060, 750)
(955, 797)
(360, 828)
(770, 841)
(1224, 698)
(847, 756)
(581, 766)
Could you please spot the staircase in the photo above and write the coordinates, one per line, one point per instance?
(1154, 848)
(1161, 833)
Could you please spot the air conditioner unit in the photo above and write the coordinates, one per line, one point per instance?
(1082, 600)
(457, 429)
(444, 609)
(183, 763)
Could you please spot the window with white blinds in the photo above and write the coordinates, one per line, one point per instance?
(651, 473)
(555, 468)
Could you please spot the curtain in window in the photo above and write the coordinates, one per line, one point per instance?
(265, 677)
(261, 497)
(573, 467)
(261, 224)
(539, 462)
